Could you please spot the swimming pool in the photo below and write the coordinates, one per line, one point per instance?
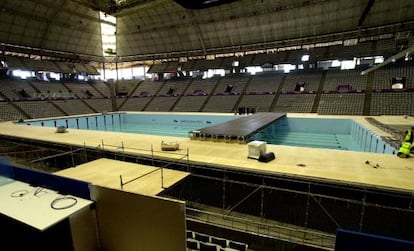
(340, 134)
(177, 125)
(328, 133)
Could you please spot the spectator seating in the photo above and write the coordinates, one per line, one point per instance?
(52, 90)
(100, 104)
(17, 89)
(334, 78)
(189, 104)
(392, 103)
(231, 86)
(310, 78)
(386, 47)
(73, 106)
(270, 58)
(222, 103)
(8, 112)
(125, 87)
(200, 241)
(133, 103)
(39, 109)
(383, 76)
(83, 90)
(340, 104)
(173, 87)
(102, 87)
(63, 67)
(200, 87)
(295, 103)
(15, 63)
(147, 88)
(363, 49)
(264, 83)
(162, 104)
(261, 102)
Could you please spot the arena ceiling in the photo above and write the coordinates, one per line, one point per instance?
(155, 29)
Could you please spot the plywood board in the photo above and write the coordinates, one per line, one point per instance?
(106, 172)
(130, 222)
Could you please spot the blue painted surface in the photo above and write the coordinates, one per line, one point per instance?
(6, 171)
(58, 183)
(347, 240)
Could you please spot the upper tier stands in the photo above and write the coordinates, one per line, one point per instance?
(39, 109)
(83, 90)
(125, 87)
(73, 107)
(231, 85)
(261, 90)
(295, 103)
(343, 93)
(51, 90)
(190, 104)
(101, 87)
(196, 95)
(392, 103)
(173, 88)
(133, 103)
(310, 79)
(161, 104)
(147, 88)
(349, 52)
(17, 89)
(383, 76)
(341, 104)
(351, 78)
(264, 83)
(221, 103)
(25, 63)
(200, 87)
(9, 112)
(167, 95)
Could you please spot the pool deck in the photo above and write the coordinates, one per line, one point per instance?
(345, 167)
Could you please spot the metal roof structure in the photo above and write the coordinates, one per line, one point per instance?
(159, 29)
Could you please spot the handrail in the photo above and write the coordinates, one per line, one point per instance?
(297, 235)
(123, 147)
(56, 155)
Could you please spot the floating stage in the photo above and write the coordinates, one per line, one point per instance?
(237, 130)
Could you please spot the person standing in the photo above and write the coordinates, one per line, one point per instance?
(407, 144)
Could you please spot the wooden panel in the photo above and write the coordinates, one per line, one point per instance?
(131, 222)
(105, 172)
(84, 230)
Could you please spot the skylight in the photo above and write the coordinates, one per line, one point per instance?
(108, 33)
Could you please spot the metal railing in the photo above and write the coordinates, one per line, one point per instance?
(261, 227)
(123, 150)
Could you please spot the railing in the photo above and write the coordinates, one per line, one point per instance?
(123, 150)
(290, 234)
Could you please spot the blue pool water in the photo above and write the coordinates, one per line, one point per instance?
(340, 134)
(154, 124)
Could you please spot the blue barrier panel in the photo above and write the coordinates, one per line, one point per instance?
(61, 184)
(347, 240)
(6, 169)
